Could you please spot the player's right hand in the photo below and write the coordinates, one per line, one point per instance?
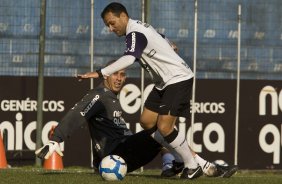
(87, 75)
(47, 150)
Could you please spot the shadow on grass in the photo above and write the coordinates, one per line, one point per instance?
(65, 172)
(151, 176)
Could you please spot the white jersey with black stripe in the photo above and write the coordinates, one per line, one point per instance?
(155, 54)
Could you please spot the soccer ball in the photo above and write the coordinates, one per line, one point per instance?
(112, 168)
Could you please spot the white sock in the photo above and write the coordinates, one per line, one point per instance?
(207, 167)
(160, 139)
(181, 147)
(200, 160)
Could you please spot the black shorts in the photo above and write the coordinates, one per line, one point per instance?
(138, 150)
(172, 100)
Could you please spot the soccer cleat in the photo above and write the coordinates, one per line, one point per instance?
(191, 173)
(176, 168)
(226, 171)
(210, 169)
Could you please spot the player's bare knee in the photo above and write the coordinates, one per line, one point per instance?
(166, 124)
(165, 129)
(146, 124)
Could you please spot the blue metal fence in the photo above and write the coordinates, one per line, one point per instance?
(68, 36)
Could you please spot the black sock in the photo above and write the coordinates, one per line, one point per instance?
(171, 137)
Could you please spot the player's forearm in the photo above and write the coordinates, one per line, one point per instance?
(88, 75)
(69, 124)
(119, 64)
(89, 106)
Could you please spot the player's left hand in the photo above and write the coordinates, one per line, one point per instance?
(47, 150)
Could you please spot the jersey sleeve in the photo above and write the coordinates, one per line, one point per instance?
(162, 35)
(89, 106)
(121, 63)
(136, 42)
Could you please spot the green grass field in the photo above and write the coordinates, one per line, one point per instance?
(84, 176)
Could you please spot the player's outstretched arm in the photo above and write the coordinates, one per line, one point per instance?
(88, 75)
(122, 63)
(46, 151)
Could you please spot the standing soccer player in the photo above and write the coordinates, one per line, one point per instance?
(173, 79)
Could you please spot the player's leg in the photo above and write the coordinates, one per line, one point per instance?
(170, 166)
(208, 168)
(138, 150)
(175, 102)
(148, 122)
(167, 159)
(154, 107)
(173, 165)
(180, 145)
(148, 119)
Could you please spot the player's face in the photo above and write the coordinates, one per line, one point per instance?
(116, 24)
(116, 80)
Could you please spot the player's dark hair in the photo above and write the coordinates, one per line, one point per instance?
(115, 8)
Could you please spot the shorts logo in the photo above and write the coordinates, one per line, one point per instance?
(97, 147)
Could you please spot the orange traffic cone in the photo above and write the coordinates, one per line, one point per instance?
(54, 162)
(3, 160)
